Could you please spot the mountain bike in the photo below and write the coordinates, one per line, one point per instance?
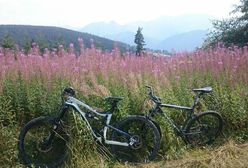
(198, 128)
(43, 140)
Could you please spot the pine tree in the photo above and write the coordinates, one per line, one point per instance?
(42, 42)
(7, 42)
(27, 44)
(139, 41)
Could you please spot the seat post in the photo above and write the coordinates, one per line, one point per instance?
(196, 100)
(113, 106)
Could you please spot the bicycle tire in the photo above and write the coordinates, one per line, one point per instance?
(198, 130)
(149, 140)
(30, 142)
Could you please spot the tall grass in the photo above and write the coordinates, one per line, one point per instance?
(30, 86)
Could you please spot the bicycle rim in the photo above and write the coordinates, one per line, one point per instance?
(147, 137)
(204, 128)
(36, 149)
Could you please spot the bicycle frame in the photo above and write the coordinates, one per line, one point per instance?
(157, 109)
(179, 130)
(75, 103)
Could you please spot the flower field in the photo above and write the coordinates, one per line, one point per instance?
(30, 86)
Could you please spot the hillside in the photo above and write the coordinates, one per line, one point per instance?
(53, 36)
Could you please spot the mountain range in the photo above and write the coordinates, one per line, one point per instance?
(51, 37)
(185, 32)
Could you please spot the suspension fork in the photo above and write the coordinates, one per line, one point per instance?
(48, 140)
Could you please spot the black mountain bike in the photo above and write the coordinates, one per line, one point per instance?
(43, 140)
(198, 128)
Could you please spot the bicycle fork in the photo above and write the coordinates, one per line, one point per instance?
(48, 140)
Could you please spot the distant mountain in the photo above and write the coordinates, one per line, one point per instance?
(167, 26)
(105, 29)
(154, 31)
(125, 36)
(52, 36)
(185, 41)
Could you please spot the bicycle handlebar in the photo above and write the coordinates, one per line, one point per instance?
(154, 98)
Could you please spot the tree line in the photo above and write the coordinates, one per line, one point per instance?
(232, 31)
(52, 37)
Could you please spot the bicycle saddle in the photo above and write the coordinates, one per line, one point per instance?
(203, 90)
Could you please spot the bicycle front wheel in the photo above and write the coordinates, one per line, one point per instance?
(41, 144)
(204, 128)
(147, 140)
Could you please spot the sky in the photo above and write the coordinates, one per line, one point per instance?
(78, 13)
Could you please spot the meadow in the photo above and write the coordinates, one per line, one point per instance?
(31, 84)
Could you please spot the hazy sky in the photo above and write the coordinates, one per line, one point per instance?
(78, 13)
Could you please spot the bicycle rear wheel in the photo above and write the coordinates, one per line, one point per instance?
(41, 145)
(204, 128)
(144, 132)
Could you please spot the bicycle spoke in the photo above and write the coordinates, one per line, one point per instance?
(204, 128)
(38, 147)
(145, 144)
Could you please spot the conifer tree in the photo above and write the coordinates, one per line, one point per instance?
(139, 41)
(7, 42)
